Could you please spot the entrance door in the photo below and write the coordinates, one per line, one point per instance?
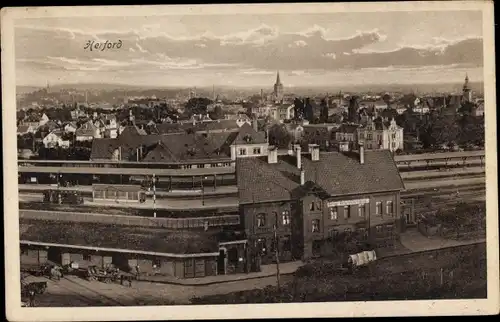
(65, 259)
(221, 262)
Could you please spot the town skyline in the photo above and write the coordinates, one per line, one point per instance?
(309, 50)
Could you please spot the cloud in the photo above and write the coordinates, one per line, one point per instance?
(256, 51)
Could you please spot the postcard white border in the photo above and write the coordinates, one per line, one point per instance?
(331, 309)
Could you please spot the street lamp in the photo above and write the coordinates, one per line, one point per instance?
(154, 195)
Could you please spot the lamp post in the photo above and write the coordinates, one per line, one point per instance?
(276, 247)
(154, 195)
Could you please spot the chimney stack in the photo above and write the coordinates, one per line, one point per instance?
(302, 177)
(255, 124)
(361, 153)
(272, 155)
(298, 154)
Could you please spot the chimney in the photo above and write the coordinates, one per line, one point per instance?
(255, 125)
(272, 155)
(302, 177)
(298, 154)
(361, 153)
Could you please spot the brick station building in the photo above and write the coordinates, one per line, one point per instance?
(318, 201)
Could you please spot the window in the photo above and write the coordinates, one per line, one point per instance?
(87, 257)
(312, 206)
(243, 151)
(347, 232)
(200, 166)
(334, 234)
(394, 136)
(363, 233)
(378, 208)
(347, 212)
(318, 205)
(393, 145)
(369, 136)
(379, 229)
(390, 207)
(286, 218)
(261, 220)
(333, 213)
(389, 228)
(315, 226)
(157, 263)
(361, 211)
(256, 150)
(361, 135)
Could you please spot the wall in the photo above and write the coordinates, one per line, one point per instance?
(249, 219)
(249, 150)
(33, 255)
(330, 227)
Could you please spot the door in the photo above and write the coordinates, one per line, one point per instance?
(221, 262)
(106, 261)
(42, 257)
(199, 268)
(65, 259)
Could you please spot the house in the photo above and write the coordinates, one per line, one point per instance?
(134, 144)
(320, 134)
(87, 132)
(296, 130)
(43, 119)
(478, 109)
(54, 139)
(77, 113)
(108, 125)
(379, 134)
(347, 132)
(70, 127)
(318, 202)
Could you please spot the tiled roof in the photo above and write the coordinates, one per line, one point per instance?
(335, 174)
(176, 146)
(87, 129)
(247, 135)
(23, 128)
(118, 237)
(348, 128)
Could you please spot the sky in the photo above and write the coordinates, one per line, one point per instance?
(248, 50)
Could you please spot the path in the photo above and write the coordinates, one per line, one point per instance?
(416, 242)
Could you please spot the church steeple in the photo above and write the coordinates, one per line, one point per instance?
(466, 91)
(278, 81)
(278, 88)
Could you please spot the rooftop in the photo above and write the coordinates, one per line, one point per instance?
(336, 174)
(118, 237)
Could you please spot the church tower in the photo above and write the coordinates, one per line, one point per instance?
(278, 88)
(466, 91)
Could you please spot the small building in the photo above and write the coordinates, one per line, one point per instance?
(87, 132)
(117, 192)
(54, 139)
(70, 127)
(171, 253)
(379, 134)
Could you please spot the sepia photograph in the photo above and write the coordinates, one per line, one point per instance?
(188, 161)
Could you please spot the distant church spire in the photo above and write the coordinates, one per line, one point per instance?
(466, 91)
(278, 81)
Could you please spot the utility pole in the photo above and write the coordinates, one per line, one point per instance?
(276, 247)
(154, 195)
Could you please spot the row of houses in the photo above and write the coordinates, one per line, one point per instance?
(314, 202)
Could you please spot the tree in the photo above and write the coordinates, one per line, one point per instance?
(279, 136)
(387, 99)
(444, 130)
(324, 112)
(197, 105)
(217, 114)
(299, 109)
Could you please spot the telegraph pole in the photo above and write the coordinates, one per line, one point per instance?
(154, 195)
(277, 253)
